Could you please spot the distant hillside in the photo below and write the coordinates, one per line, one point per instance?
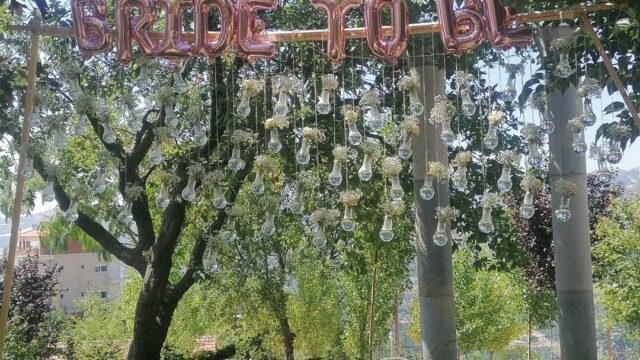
(630, 179)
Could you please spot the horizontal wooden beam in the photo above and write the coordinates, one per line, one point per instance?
(352, 33)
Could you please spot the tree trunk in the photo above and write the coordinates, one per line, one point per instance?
(287, 338)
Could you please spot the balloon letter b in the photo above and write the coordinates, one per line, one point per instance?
(213, 49)
(250, 45)
(138, 26)
(388, 48)
(462, 29)
(92, 32)
(336, 12)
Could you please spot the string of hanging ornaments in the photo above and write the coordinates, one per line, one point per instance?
(369, 125)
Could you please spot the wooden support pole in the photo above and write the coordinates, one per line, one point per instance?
(612, 71)
(17, 201)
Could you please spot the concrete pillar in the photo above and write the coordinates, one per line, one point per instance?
(435, 268)
(574, 282)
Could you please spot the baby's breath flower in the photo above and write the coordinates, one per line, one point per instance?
(85, 104)
(325, 217)
(251, 87)
(589, 88)
(236, 211)
(350, 114)
(496, 117)
(297, 85)
(133, 192)
(443, 110)
(532, 133)
(280, 83)
(276, 122)
(410, 82)
(490, 199)
(561, 44)
(531, 183)
(312, 133)
(393, 208)
(264, 163)
(164, 95)
(576, 125)
(446, 213)
(350, 198)
(392, 166)
(329, 82)
(215, 177)
(69, 69)
(372, 148)
(410, 126)
(196, 171)
(370, 98)
(565, 187)
(439, 171)
(463, 158)
(539, 101)
(306, 180)
(272, 202)
(514, 69)
(619, 131)
(241, 137)
(340, 153)
(508, 157)
(167, 178)
(463, 79)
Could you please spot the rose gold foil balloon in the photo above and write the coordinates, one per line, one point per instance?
(138, 27)
(92, 32)
(502, 36)
(390, 48)
(462, 29)
(172, 45)
(336, 13)
(251, 43)
(217, 47)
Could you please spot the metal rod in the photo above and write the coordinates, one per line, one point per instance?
(351, 33)
(17, 201)
(612, 71)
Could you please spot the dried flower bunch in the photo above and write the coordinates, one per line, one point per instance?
(590, 88)
(164, 95)
(576, 125)
(370, 98)
(241, 137)
(69, 69)
(463, 158)
(306, 180)
(410, 125)
(280, 83)
(490, 200)
(325, 217)
(350, 114)
(133, 192)
(463, 79)
(392, 166)
(410, 82)
(439, 171)
(514, 69)
(496, 117)
(372, 148)
(531, 183)
(196, 171)
(276, 122)
(251, 87)
(350, 198)
(296, 85)
(194, 112)
(329, 82)
(598, 151)
(340, 154)
(272, 203)
(446, 213)
(393, 208)
(562, 45)
(215, 177)
(565, 187)
(443, 110)
(265, 163)
(312, 133)
(85, 104)
(619, 131)
(167, 178)
(236, 211)
(532, 133)
(508, 157)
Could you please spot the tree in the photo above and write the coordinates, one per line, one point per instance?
(616, 260)
(33, 329)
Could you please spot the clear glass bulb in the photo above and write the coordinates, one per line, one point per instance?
(27, 170)
(100, 184)
(563, 213)
(460, 178)
(527, 209)
(35, 119)
(335, 177)
(547, 122)
(189, 191)
(303, 156)
(82, 125)
(510, 93)
(235, 161)
(170, 119)
(468, 107)
(440, 237)
(427, 191)
(386, 233)
(534, 158)
(579, 145)
(200, 135)
(219, 200)
(589, 118)
(133, 121)
(395, 192)
(108, 135)
(125, 214)
(71, 214)
(162, 200)
(490, 140)
(504, 182)
(269, 226)
(563, 69)
(319, 239)
(257, 186)
(297, 206)
(404, 150)
(281, 108)
(74, 86)
(60, 139)
(274, 145)
(324, 104)
(354, 137)
(179, 85)
(155, 155)
(376, 122)
(486, 222)
(348, 223)
(415, 105)
(614, 155)
(210, 261)
(244, 108)
(48, 193)
(447, 136)
(229, 234)
(365, 172)
(603, 173)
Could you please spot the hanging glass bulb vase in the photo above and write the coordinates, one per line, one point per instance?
(348, 223)
(199, 134)
(210, 261)
(508, 159)
(427, 191)
(576, 126)
(162, 199)
(257, 186)
(468, 107)
(442, 113)
(617, 132)
(47, 193)
(100, 184)
(547, 122)
(71, 214)
(351, 115)
(272, 204)
(281, 108)
(444, 215)
(340, 156)
(531, 185)
(59, 139)
(589, 118)
(376, 120)
(215, 178)
(250, 88)
(386, 233)
(329, 84)
(235, 161)
(533, 137)
(71, 73)
(371, 99)
(509, 93)
(372, 150)
(410, 129)
(298, 199)
(566, 189)
(447, 136)
(490, 140)
(323, 218)
(349, 199)
(614, 155)
(489, 201)
(273, 125)
(189, 192)
(179, 85)
(309, 135)
(229, 234)
(588, 89)
(563, 69)
(35, 119)
(392, 209)
(411, 84)
(155, 154)
(27, 170)
(305, 181)
(82, 125)
(124, 216)
(108, 135)
(391, 168)
(129, 112)
(599, 153)
(460, 175)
